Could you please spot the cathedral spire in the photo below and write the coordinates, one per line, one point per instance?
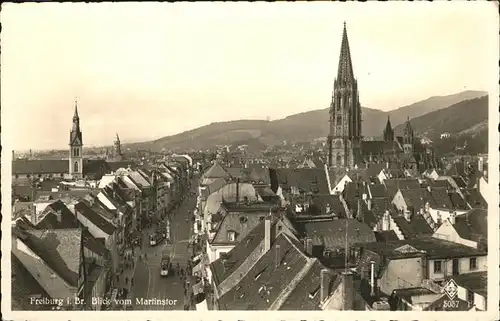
(345, 71)
(388, 131)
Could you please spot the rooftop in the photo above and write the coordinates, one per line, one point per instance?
(435, 248)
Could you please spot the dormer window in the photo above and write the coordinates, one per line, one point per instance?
(231, 236)
(243, 219)
(261, 218)
(314, 292)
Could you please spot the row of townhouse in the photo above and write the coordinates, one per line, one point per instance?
(396, 255)
(72, 243)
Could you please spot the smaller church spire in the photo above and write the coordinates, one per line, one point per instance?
(388, 131)
(117, 137)
(75, 116)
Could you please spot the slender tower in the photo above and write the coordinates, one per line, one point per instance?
(388, 131)
(76, 147)
(344, 139)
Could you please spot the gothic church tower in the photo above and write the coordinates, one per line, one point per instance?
(344, 139)
(76, 148)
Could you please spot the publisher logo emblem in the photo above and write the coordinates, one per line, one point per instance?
(451, 289)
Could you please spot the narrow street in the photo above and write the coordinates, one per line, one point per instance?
(148, 284)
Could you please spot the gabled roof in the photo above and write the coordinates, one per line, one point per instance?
(84, 209)
(40, 166)
(95, 168)
(216, 171)
(417, 226)
(268, 279)
(332, 234)
(441, 198)
(59, 249)
(417, 198)
(50, 221)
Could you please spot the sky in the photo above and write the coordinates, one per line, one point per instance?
(148, 70)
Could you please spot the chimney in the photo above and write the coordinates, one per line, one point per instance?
(385, 221)
(277, 255)
(369, 203)
(452, 218)
(387, 165)
(480, 164)
(309, 246)
(58, 214)
(325, 284)
(372, 278)
(407, 215)
(267, 235)
(347, 291)
(237, 190)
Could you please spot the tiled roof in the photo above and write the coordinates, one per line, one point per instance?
(23, 191)
(383, 236)
(476, 282)
(84, 209)
(59, 249)
(402, 183)
(459, 181)
(409, 293)
(435, 248)
(113, 166)
(377, 190)
(416, 198)
(139, 179)
(224, 268)
(267, 279)
(216, 185)
(472, 225)
(441, 198)
(379, 147)
(24, 286)
(40, 166)
(265, 192)
(336, 174)
(305, 179)
(332, 234)
(306, 296)
(374, 169)
(474, 198)
(94, 245)
(439, 305)
(319, 204)
(241, 223)
(458, 202)
(417, 225)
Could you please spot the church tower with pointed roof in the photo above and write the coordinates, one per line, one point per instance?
(76, 147)
(388, 131)
(344, 139)
(117, 149)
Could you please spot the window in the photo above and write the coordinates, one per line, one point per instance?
(473, 263)
(261, 218)
(438, 267)
(231, 236)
